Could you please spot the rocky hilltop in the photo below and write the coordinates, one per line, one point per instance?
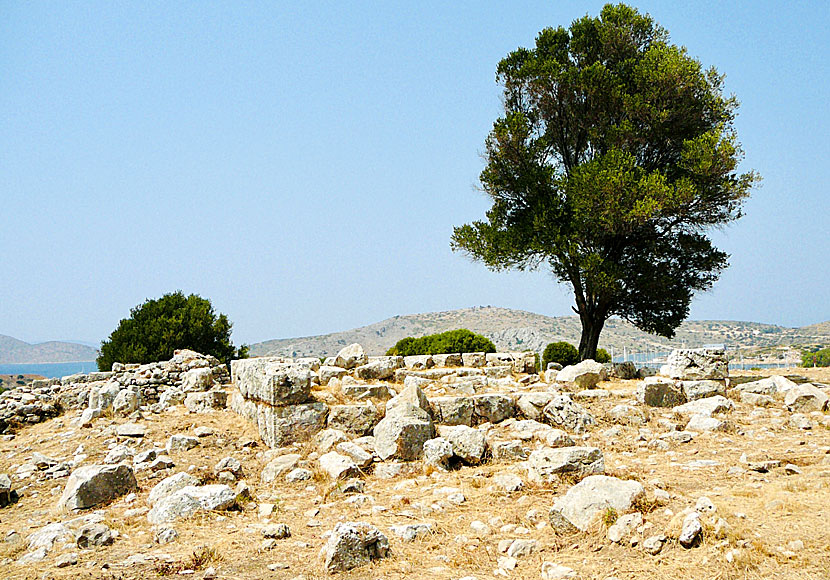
(518, 330)
(446, 466)
(14, 351)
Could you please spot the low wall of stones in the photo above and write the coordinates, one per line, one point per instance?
(123, 389)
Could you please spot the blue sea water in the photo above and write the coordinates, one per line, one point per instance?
(49, 370)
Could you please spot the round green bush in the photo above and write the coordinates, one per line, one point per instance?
(158, 327)
(560, 352)
(602, 356)
(450, 342)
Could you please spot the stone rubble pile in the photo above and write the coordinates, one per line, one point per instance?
(122, 390)
(339, 419)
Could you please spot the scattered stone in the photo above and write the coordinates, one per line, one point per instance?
(165, 535)
(357, 419)
(188, 500)
(181, 443)
(806, 398)
(563, 412)
(438, 452)
(206, 402)
(552, 571)
(468, 444)
(586, 374)
(696, 364)
(65, 560)
(545, 465)
(654, 544)
(279, 465)
(624, 527)
(230, 465)
(93, 535)
(694, 390)
(353, 544)
(338, 466)
(691, 533)
(590, 497)
(92, 485)
(705, 407)
(130, 430)
(351, 357)
(660, 394)
(298, 474)
(800, 421)
(276, 531)
(402, 434)
(508, 482)
(7, 495)
(410, 532)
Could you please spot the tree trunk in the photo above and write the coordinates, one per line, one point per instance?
(591, 329)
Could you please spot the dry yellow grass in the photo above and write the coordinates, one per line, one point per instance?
(765, 512)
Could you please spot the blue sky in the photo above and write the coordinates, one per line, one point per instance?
(302, 164)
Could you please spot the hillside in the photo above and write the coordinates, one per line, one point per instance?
(13, 351)
(520, 330)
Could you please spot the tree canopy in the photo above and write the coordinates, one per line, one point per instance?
(156, 328)
(615, 154)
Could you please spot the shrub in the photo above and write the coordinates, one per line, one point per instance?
(560, 352)
(602, 356)
(450, 342)
(820, 358)
(156, 328)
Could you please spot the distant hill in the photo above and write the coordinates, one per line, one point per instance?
(13, 351)
(520, 330)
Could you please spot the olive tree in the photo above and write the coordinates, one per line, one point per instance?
(615, 156)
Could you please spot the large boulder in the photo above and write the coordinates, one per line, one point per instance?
(357, 419)
(696, 364)
(806, 398)
(92, 485)
(272, 381)
(706, 407)
(402, 435)
(198, 379)
(467, 443)
(659, 393)
(591, 496)
(379, 368)
(353, 544)
(532, 405)
(186, 501)
(563, 412)
(206, 401)
(493, 407)
(453, 410)
(695, 390)
(545, 465)
(586, 374)
(411, 396)
(169, 485)
(351, 357)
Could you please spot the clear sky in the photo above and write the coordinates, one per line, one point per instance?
(302, 164)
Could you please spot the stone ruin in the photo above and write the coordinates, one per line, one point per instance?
(122, 390)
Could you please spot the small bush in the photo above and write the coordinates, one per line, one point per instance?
(560, 352)
(450, 342)
(602, 356)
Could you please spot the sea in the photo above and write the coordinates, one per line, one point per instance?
(49, 370)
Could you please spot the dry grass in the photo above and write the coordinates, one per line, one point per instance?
(764, 511)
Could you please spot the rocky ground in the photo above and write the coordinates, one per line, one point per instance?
(759, 488)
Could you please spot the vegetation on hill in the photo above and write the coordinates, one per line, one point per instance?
(452, 341)
(616, 153)
(156, 328)
(819, 358)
